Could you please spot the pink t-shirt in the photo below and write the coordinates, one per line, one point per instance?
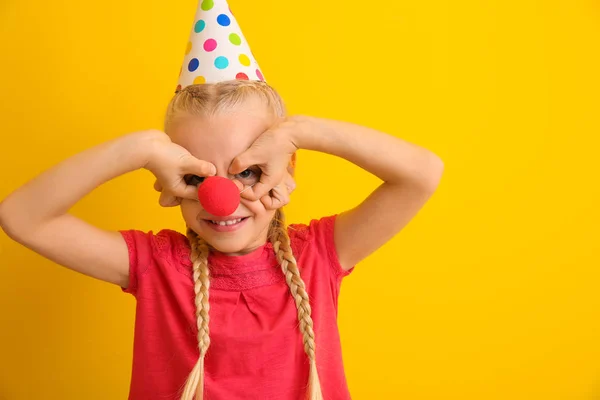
(256, 349)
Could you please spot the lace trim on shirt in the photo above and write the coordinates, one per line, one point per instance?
(247, 281)
(178, 245)
(133, 262)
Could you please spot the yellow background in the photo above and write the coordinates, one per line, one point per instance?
(491, 293)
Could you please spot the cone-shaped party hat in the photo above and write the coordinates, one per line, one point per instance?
(217, 50)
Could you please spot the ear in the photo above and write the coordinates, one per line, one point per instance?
(292, 165)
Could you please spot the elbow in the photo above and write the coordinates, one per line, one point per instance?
(8, 223)
(3, 218)
(435, 171)
(5, 224)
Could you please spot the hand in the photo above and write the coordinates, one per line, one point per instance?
(273, 152)
(170, 164)
(280, 194)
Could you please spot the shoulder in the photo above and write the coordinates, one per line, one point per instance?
(301, 234)
(149, 251)
(314, 242)
(166, 243)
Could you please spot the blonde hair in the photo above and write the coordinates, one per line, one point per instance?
(208, 99)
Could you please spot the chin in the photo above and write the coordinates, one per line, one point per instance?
(227, 248)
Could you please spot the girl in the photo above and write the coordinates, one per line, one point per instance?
(242, 307)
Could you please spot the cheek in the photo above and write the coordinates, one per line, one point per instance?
(255, 207)
(262, 216)
(189, 211)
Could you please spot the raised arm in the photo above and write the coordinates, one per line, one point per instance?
(410, 175)
(36, 215)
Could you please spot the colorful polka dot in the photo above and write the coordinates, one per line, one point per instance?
(193, 65)
(242, 76)
(244, 60)
(180, 70)
(178, 88)
(207, 5)
(223, 20)
(200, 25)
(199, 80)
(235, 39)
(188, 48)
(210, 44)
(221, 62)
(260, 75)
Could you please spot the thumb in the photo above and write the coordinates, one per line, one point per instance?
(193, 165)
(242, 162)
(168, 200)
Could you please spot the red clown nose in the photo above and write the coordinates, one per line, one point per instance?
(219, 196)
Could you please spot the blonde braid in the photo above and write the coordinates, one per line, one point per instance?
(199, 258)
(281, 244)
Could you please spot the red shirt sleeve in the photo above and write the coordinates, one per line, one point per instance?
(323, 232)
(319, 235)
(146, 249)
(314, 248)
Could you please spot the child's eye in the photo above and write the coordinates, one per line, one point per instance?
(193, 180)
(249, 174)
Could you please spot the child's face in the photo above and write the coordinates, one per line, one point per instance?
(219, 139)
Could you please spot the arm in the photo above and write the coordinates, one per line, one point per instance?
(36, 215)
(410, 175)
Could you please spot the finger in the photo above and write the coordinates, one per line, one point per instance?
(290, 184)
(192, 165)
(264, 186)
(242, 162)
(292, 165)
(168, 200)
(238, 184)
(259, 190)
(284, 198)
(189, 192)
(157, 186)
(276, 199)
(268, 202)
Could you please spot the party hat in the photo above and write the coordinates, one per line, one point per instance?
(217, 50)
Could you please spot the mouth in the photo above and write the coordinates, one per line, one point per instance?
(226, 226)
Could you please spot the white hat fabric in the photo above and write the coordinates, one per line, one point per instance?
(217, 50)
